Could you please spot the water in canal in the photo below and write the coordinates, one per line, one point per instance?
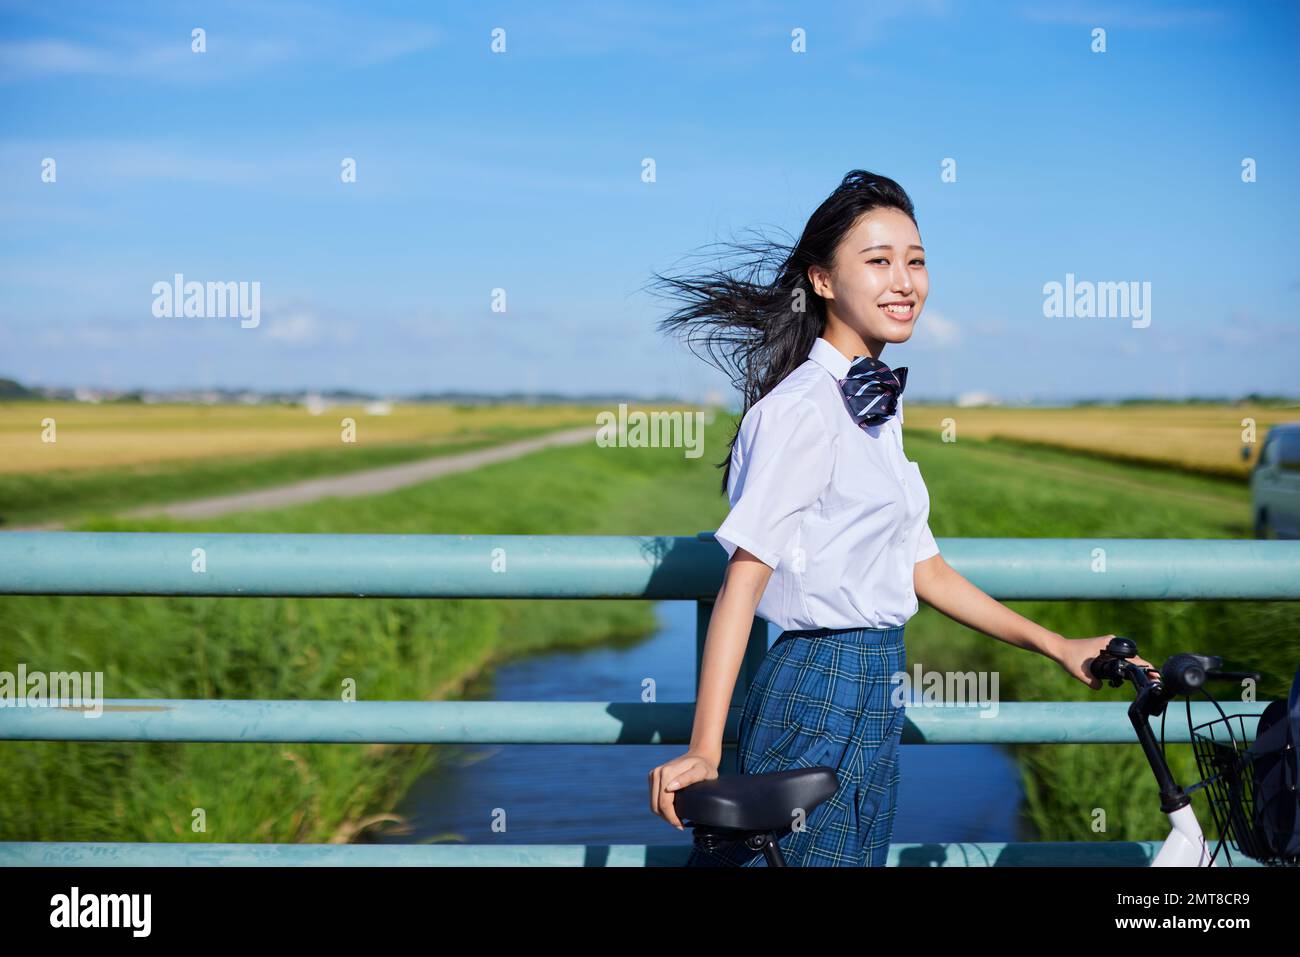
(598, 793)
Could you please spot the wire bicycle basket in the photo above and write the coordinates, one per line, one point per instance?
(1227, 768)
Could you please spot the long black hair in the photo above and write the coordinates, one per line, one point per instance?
(758, 330)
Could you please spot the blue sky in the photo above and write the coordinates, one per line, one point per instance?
(522, 171)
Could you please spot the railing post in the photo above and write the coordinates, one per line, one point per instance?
(755, 650)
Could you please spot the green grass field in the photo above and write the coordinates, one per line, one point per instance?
(417, 649)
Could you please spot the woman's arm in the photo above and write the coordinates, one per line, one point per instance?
(941, 586)
(724, 649)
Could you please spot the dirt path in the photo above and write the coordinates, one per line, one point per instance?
(352, 485)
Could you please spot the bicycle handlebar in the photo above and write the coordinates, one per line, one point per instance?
(1182, 674)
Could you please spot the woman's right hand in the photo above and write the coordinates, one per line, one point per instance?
(670, 777)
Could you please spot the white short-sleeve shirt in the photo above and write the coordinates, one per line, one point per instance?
(838, 511)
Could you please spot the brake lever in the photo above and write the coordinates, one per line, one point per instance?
(1233, 675)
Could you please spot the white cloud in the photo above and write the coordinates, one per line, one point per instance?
(295, 328)
(934, 331)
(46, 57)
(268, 35)
(1090, 15)
(1243, 329)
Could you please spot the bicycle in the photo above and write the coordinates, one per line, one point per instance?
(755, 809)
(1227, 766)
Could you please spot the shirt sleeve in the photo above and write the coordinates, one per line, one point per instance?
(928, 547)
(781, 464)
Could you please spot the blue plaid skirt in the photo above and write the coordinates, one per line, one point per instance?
(823, 697)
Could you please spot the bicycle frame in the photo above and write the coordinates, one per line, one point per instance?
(1185, 846)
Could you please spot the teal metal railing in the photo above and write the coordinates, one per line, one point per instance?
(560, 566)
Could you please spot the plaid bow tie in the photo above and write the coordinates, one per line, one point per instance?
(871, 390)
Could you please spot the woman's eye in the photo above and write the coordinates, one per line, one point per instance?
(919, 262)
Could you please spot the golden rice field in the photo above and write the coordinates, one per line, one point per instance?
(90, 436)
(1204, 438)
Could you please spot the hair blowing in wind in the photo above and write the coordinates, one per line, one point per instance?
(757, 320)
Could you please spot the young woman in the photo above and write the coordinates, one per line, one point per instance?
(828, 536)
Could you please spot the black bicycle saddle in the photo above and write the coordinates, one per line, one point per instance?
(754, 802)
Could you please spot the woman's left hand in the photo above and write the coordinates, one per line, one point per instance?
(1075, 654)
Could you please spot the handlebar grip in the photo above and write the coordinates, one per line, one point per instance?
(1109, 663)
(1187, 673)
(1106, 668)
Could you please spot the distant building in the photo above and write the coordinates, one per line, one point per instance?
(968, 399)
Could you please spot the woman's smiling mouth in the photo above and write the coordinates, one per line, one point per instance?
(901, 310)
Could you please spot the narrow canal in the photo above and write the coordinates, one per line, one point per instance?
(597, 794)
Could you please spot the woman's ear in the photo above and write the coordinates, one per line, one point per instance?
(819, 281)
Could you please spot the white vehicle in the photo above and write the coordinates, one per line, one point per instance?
(1275, 484)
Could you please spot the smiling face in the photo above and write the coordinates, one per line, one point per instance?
(879, 283)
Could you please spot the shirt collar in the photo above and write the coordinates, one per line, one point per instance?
(835, 362)
(829, 358)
